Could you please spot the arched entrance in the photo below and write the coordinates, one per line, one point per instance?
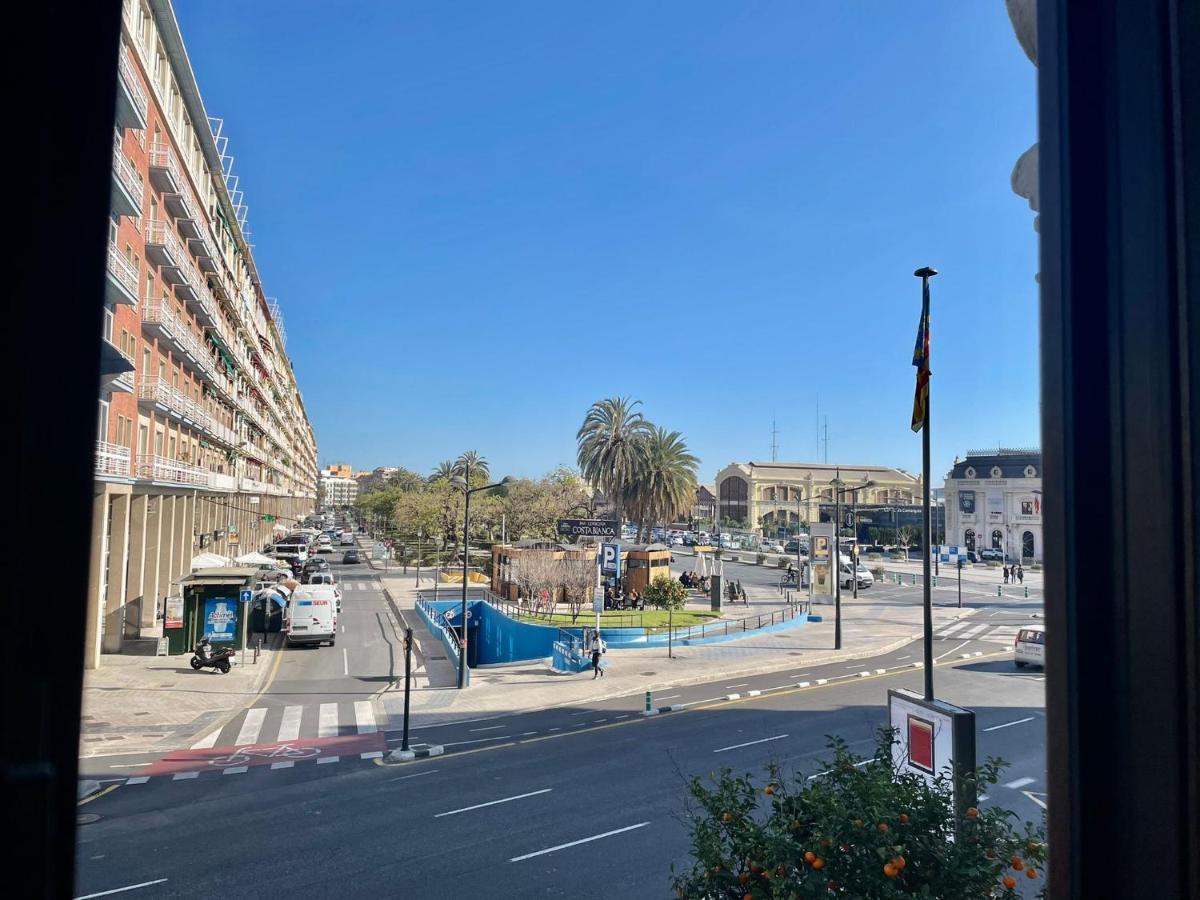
(997, 540)
(969, 539)
(1027, 545)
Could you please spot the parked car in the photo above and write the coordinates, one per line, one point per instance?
(991, 553)
(312, 615)
(1029, 648)
(770, 547)
(351, 556)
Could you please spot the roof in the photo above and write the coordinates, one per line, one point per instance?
(823, 471)
(1011, 461)
(644, 548)
(220, 575)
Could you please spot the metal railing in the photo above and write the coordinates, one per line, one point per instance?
(131, 83)
(158, 390)
(159, 232)
(112, 459)
(163, 157)
(122, 269)
(127, 174)
(159, 468)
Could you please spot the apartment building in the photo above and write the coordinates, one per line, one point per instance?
(203, 442)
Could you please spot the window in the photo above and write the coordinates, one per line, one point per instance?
(1027, 545)
(171, 447)
(143, 434)
(158, 441)
(107, 326)
(102, 424)
(997, 540)
(969, 539)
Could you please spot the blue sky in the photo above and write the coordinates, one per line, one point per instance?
(481, 217)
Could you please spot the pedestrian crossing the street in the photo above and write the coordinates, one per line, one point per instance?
(969, 630)
(277, 724)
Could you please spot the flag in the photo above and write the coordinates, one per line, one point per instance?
(921, 361)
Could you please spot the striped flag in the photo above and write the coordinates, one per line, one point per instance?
(921, 361)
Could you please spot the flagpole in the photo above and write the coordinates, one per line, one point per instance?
(925, 273)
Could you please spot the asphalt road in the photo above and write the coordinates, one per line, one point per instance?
(583, 802)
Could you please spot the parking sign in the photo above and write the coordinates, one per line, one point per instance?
(610, 560)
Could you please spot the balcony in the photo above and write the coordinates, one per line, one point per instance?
(224, 434)
(165, 173)
(131, 99)
(190, 286)
(180, 205)
(112, 460)
(220, 481)
(202, 248)
(165, 250)
(121, 285)
(162, 396)
(127, 186)
(204, 306)
(171, 471)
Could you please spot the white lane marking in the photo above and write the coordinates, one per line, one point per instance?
(953, 628)
(1019, 783)
(488, 728)
(138, 779)
(739, 684)
(624, 716)
(343, 629)
(208, 741)
(496, 737)
(971, 632)
(526, 733)
(328, 759)
(364, 716)
(555, 728)
(1033, 795)
(851, 667)
(751, 743)
(586, 712)
(898, 658)
(598, 721)
(455, 812)
(289, 727)
(413, 775)
(283, 765)
(251, 726)
(327, 726)
(1007, 724)
(594, 837)
(184, 776)
(235, 770)
(670, 696)
(345, 661)
(129, 887)
(859, 764)
(799, 674)
(952, 650)
(371, 754)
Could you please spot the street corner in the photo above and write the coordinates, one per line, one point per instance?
(278, 755)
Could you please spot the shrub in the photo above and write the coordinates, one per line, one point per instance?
(783, 561)
(878, 573)
(864, 829)
(760, 558)
(665, 592)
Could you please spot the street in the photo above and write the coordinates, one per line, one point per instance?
(574, 801)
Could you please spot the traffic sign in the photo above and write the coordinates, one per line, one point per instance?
(268, 518)
(245, 596)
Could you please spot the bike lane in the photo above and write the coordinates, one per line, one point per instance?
(310, 749)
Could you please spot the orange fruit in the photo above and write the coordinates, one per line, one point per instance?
(972, 812)
(1009, 882)
(900, 862)
(747, 897)
(743, 878)
(769, 790)
(809, 856)
(818, 863)
(1031, 872)
(890, 870)
(726, 817)
(883, 827)
(1017, 864)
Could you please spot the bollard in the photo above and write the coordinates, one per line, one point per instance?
(935, 581)
(999, 590)
(1027, 593)
(914, 580)
(649, 710)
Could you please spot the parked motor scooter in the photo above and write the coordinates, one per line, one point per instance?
(204, 658)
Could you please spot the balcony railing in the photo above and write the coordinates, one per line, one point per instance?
(164, 248)
(163, 394)
(165, 172)
(128, 188)
(159, 468)
(131, 99)
(112, 460)
(187, 221)
(121, 285)
(201, 245)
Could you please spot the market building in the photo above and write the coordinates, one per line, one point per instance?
(203, 442)
(994, 500)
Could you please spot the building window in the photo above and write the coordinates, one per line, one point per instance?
(142, 436)
(969, 539)
(102, 425)
(1027, 545)
(997, 540)
(734, 496)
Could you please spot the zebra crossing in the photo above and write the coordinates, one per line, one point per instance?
(357, 586)
(278, 724)
(969, 630)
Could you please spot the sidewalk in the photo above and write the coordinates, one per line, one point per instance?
(867, 629)
(133, 704)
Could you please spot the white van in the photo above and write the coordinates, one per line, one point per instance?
(312, 615)
(865, 578)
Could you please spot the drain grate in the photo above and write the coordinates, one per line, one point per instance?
(647, 674)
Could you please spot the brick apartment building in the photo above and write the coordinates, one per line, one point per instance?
(203, 442)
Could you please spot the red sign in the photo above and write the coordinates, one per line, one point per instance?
(920, 743)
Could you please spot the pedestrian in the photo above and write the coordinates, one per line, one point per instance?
(597, 649)
(1006, 574)
(1021, 574)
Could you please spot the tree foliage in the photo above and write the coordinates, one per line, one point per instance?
(611, 445)
(665, 592)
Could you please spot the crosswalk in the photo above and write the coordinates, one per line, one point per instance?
(358, 586)
(969, 630)
(275, 724)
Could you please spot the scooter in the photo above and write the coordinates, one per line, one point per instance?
(203, 657)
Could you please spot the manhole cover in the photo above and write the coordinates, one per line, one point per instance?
(437, 657)
(86, 818)
(647, 673)
(795, 653)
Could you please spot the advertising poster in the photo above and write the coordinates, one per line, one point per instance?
(995, 507)
(220, 618)
(966, 504)
(821, 546)
(174, 613)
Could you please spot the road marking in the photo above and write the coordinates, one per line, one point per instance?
(282, 765)
(739, 684)
(1007, 724)
(327, 726)
(586, 712)
(751, 743)
(526, 733)
(1034, 795)
(971, 632)
(251, 726)
(799, 674)
(851, 667)
(594, 837)
(345, 661)
(131, 887)
(857, 765)
(623, 716)
(364, 717)
(208, 741)
(1019, 783)
(235, 770)
(328, 759)
(670, 696)
(555, 728)
(948, 652)
(371, 754)
(496, 737)
(489, 728)
(898, 658)
(455, 812)
(413, 775)
(343, 629)
(289, 728)
(139, 779)
(184, 776)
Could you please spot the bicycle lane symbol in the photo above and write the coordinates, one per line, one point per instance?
(299, 751)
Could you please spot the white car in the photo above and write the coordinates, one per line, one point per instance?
(324, 545)
(770, 547)
(1029, 648)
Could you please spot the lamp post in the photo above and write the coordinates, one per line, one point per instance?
(853, 492)
(463, 485)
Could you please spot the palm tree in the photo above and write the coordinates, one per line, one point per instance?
(610, 445)
(665, 484)
(445, 470)
(471, 462)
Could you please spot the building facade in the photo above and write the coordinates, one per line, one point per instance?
(775, 497)
(337, 492)
(994, 500)
(203, 442)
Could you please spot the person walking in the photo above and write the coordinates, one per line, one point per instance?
(597, 649)
(1021, 574)
(1006, 574)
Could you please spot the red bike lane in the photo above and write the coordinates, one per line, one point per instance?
(301, 750)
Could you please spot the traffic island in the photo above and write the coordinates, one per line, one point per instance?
(417, 751)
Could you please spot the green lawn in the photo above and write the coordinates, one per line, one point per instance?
(651, 618)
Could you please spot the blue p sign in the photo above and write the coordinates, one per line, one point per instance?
(610, 560)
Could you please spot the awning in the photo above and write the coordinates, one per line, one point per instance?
(220, 575)
(255, 559)
(278, 598)
(209, 561)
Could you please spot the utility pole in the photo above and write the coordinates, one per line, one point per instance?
(827, 440)
(774, 441)
(836, 567)
(408, 640)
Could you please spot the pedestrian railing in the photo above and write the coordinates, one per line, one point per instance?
(726, 627)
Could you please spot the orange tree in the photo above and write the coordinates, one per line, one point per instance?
(862, 829)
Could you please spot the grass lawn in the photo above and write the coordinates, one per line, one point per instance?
(651, 618)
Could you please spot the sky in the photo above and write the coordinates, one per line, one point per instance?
(479, 218)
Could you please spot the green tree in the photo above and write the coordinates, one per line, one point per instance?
(664, 482)
(473, 466)
(611, 445)
(664, 592)
(443, 472)
(864, 828)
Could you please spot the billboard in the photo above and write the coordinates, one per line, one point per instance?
(933, 738)
(995, 507)
(220, 618)
(595, 528)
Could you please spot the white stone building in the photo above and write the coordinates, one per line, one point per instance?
(994, 500)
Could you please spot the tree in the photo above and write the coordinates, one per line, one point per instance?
(907, 535)
(470, 464)
(664, 483)
(579, 581)
(863, 828)
(610, 445)
(443, 472)
(539, 576)
(664, 592)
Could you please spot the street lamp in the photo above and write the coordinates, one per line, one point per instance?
(459, 482)
(839, 489)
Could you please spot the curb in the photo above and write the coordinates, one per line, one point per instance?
(417, 753)
(87, 787)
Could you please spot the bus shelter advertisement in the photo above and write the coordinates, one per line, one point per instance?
(220, 618)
